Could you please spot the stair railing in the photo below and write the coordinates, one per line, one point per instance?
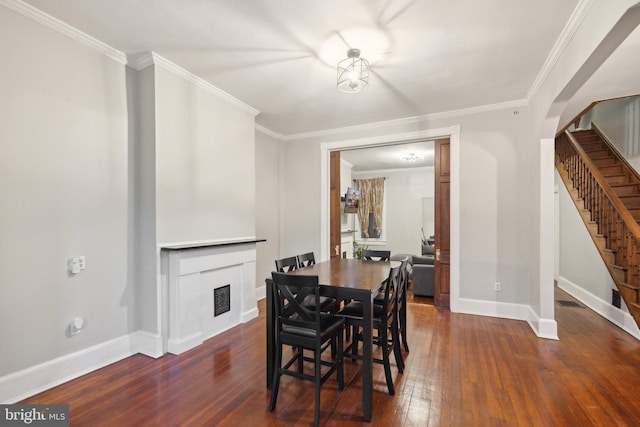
(615, 222)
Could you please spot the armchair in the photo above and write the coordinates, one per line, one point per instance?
(422, 276)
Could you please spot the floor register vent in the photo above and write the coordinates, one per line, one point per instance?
(568, 303)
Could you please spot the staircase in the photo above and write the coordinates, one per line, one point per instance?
(606, 191)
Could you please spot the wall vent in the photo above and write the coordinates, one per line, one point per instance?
(221, 300)
(615, 298)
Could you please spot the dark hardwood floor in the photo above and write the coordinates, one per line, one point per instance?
(462, 371)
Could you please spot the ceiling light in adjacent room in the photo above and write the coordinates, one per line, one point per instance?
(411, 157)
(353, 73)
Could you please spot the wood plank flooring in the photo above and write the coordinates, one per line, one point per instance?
(462, 370)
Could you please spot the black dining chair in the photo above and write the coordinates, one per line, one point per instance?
(403, 283)
(302, 328)
(373, 255)
(285, 265)
(385, 322)
(327, 304)
(305, 260)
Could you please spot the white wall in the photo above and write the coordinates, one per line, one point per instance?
(205, 164)
(404, 190)
(106, 162)
(619, 120)
(494, 204)
(603, 26)
(580, 262)
(268, 165)
(63, 186)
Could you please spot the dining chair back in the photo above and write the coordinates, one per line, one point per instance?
(373, 255)
(285, 265)
(305, 260)
(302, 328)
(402, 302)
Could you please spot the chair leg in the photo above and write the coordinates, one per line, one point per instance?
(340, 361)
(355, 341)
(403, 328)
(395, 338)
(316, 411)
(276, 378)
(300, 359)
(384, 340)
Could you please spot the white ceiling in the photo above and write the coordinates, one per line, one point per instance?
(427, 56)
(390, 156)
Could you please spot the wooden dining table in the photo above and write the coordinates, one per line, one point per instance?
(352, 279)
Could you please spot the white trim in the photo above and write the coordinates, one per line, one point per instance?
(148, 344)
(499, 309)
(543, 328)
(414, 169)
(235, 240)
(63, 28)
(261, 292)
(146, 60)
(618, 317)
(453, 133)
(560, 45)
(248, 315)
(27, 382)
(408, 120)
(275, 135)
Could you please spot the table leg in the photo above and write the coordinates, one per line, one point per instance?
(367, 362)
(270, 333)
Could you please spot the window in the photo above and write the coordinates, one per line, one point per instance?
(375, 232)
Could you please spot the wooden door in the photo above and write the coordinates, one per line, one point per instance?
(442, 223)
(334, 204)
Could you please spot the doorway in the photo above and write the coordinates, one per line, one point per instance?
(453, 135)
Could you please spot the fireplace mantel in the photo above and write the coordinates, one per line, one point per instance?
(195, 276)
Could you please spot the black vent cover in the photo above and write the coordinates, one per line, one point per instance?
(567, 303)
(221, 300)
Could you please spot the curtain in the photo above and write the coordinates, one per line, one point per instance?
(377, 201)
(371, 200)
(363, 205)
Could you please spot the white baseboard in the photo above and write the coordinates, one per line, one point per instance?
(543, 328)
(148, 344)
(251, 314)
(261, 292)
(22, 384)
(613, 314)
(493, 309)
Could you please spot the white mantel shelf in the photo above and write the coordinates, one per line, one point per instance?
(191, 273)
(206, 244)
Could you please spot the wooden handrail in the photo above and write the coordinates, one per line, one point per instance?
(576, 119)
(624, 213)
(612, 146)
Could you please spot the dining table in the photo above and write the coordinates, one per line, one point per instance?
(344, 279)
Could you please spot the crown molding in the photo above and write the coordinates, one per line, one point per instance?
(408, 120)
(265, 130)
(55, 24)
(394, 170)
(560, 45)
(151, 58)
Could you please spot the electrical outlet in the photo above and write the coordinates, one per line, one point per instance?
(498, 287)
(81, 263)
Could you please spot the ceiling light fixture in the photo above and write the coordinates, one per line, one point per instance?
(353, 72)
(411, 157)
